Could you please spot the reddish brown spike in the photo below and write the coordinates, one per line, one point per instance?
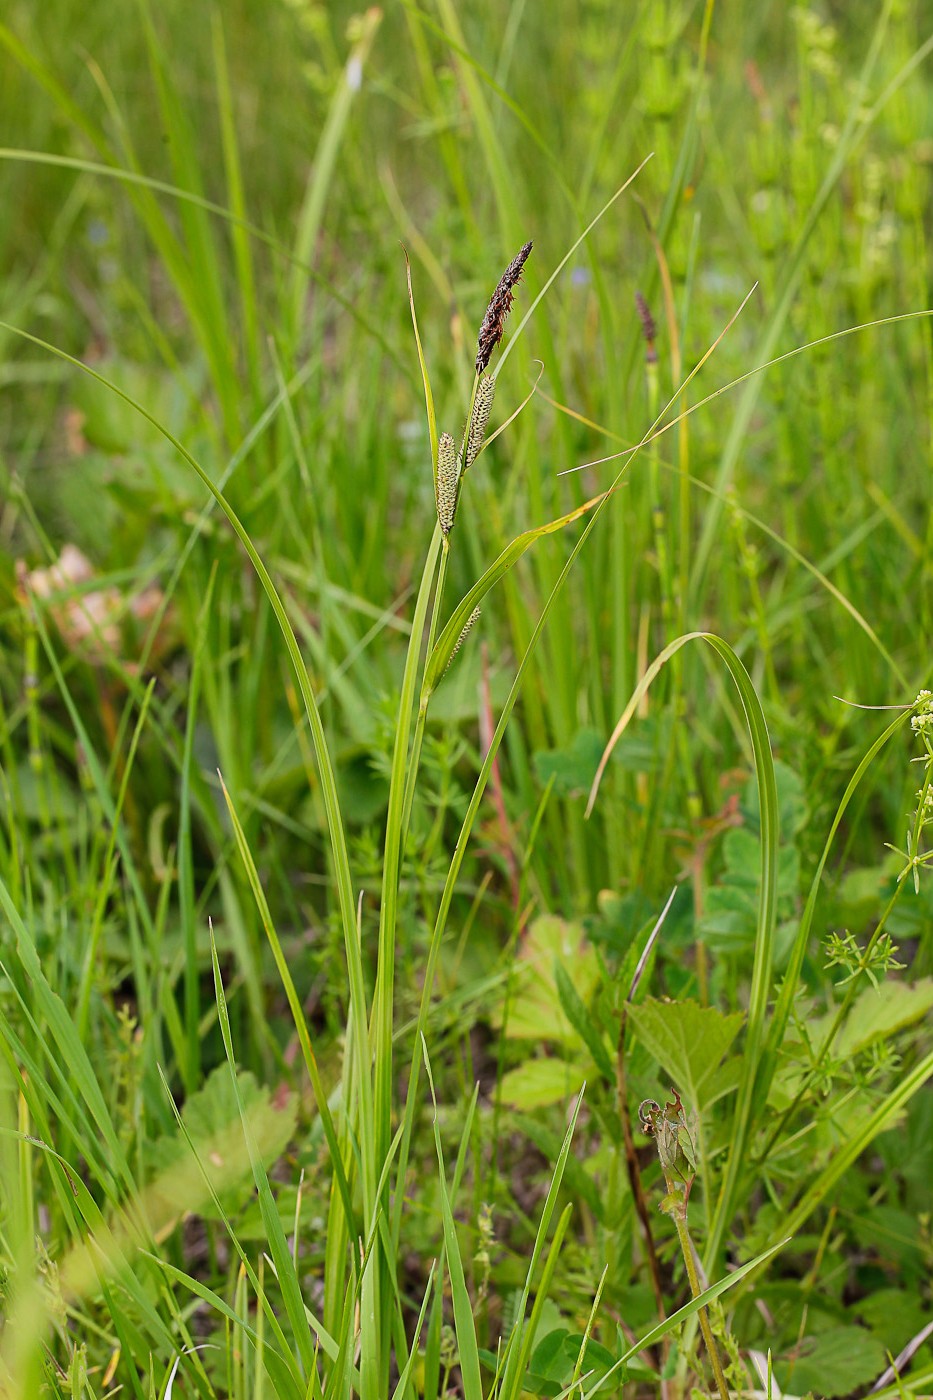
(500, 303)
(649, 329)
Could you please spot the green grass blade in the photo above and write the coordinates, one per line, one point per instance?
(135, 179)
(857, 124)
(440, 656)
(72, 1054)
(298, 1016)
(336, 832)
(519, 1342)
(563, 263)
(278, 1246)
(542, 1296)
(670, 1324)
(278, 1367)
(402, 1388)
(748, 1091)
(463, 1309)
(191, 1064)
(325, 160)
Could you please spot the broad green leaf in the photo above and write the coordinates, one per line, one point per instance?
(594, 1359)
(548, 1360)
(908, 1150)
(724, 1080)
(892, 1236)
(688, 1041)
(573, 768)
(833, 1363)
(212, 1119)
(878, 1013)
(537, 1083)
(534, 1007)
(894, 1316)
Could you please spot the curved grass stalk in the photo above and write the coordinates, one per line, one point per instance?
(440, 655)
(368, 1159)
(662, 1329)
(433, 671)
(755, 1044)
(785, 1000)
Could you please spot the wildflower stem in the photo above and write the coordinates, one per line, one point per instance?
(686, 1245)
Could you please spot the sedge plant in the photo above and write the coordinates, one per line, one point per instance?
(348, 1347)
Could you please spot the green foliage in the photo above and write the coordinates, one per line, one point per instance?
(218, 555)
(689, 1042)
(836, 1362)
(572, 769)
(210, 1122)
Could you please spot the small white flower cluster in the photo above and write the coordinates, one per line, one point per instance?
(922, 721)
(922, 725)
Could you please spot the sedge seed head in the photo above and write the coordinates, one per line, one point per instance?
(482, 404)
(500, 304)
(446, 482)
(465, 632)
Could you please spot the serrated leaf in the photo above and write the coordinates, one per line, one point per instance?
(573, 768)
(535, 1012)
(537, 1083)
(908, 1151)
(894, 1316)
(722, 1081)
(688, 1041)
(834, 1363)
(878, 1013)
(212, 1119)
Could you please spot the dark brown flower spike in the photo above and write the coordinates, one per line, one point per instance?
(490, 332)
(649, 329)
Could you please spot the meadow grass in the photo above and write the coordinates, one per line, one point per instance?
(347, 770)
